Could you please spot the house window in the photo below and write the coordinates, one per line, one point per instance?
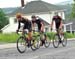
(56, 13)
(61, 14)
(46, 29)
(15, 20)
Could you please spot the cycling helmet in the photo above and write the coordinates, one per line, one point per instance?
(33, 16)
(18, 15)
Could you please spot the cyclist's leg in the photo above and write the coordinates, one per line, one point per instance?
(57, 28)
(30, 34)
(61, 31)
(26, 36)
(39, 30)
(30, 30)
(43, 38)
(58, 32)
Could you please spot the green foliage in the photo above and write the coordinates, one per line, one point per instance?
(73, 10)
(3, 19)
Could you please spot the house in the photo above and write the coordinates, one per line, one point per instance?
(44, 10)
(70, 25)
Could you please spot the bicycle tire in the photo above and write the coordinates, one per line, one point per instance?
(33, 47)
(47, 41)
(64, 41)
(38, 39)
(23, 42)
(56, 41)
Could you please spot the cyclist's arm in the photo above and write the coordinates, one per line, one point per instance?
(42, 26)
(52, 23)
(19, 25)
(33, 25)
(61, 25)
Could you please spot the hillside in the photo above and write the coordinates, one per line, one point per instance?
(9, 10)
(65, 2)
(67, 6)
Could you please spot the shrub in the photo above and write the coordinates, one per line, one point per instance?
(70, 35)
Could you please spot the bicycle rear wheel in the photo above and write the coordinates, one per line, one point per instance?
(56, 41)
(21, 44)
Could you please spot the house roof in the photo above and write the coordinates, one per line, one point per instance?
(36, 7)
(45, 22)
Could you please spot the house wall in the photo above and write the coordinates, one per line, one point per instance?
(10, 28)
(11, 20)
(45, 17)
(62, 14)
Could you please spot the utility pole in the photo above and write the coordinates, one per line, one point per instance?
(39, 0)
(22, 3)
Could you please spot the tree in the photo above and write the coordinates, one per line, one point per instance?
(73, 10)
(3, 19)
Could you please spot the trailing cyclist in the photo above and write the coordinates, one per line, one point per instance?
(58, 23)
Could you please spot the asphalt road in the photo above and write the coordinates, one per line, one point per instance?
(67, 52)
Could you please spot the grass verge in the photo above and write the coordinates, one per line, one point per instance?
(12, 38)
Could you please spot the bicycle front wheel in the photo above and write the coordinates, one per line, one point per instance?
(21, 44)
(56, 41)
(47, 41)
(64, 41)
(36, 43)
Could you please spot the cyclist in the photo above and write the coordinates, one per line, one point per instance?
(27, 24)
(58, 23)
(40, 24)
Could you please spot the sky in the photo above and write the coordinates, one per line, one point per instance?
(17, 3)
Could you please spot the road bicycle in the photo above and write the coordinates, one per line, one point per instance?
(42, 39)
(23, 42)
(59, 39)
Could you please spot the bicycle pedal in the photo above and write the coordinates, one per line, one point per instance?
(29, 45)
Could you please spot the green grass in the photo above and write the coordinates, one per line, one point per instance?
(50, 35)
(67, 35)
(12, 38)
(70, 35)
(8, 38)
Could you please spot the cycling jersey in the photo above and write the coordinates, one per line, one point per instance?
(38, 22)
(27, 24)
(57, 20)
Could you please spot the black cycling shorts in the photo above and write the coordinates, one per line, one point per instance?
(57, 25)
(29, 28)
